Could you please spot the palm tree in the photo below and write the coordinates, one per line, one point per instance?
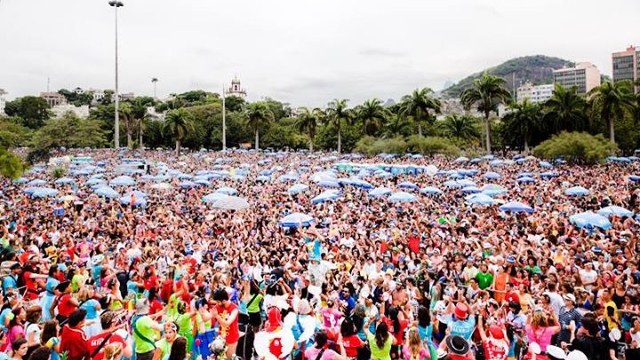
(128, 120)
(611, 100)
(523, 121)
(372, 115)
(308, 121)
(139, 113)
(418, 105)
(258, 116)
(487, 93)
(565, 110)
(154, 81)
(178, 123)
(337, 112)
(397, 125)
(460, 127)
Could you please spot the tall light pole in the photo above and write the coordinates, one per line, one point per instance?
(116, 137)
(154, 81)
(224, 122)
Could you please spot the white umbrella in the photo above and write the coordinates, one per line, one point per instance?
(231, 203)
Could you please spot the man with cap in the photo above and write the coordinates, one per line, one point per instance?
(569, 318)
(144, 330)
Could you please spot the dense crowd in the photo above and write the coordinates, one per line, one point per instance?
(161, 274)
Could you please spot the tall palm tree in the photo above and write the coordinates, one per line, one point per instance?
(418, 105)
(139, 113)
(258, 116)
(397, 125)
(523, 121)
(154, 81)
(178, 123)
(127, 119)
(337, 113)
(487, 93)
(308, 121)
(372, 115)
(611, 100)
(565, 110)
(460, 127)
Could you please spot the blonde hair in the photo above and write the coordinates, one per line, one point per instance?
(83, 294)
(414, 342)
(113, 351)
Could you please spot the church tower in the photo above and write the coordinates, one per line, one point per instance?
(236, 89)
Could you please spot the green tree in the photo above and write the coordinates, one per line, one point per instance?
(611, 100)
(576, 147)
(487, 93)
(460, 127)
(397, 125)
(33, 111)
(12, 134)
(565, 110)
(234, 103)
(337, 114)
(258, 116)
(372, 116)
(308, 121)
(10, 164)
(178, 124)
(523, 121)
(418, 105)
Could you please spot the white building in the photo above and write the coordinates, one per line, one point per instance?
(236, 90)
(80, 111)
(535, 93)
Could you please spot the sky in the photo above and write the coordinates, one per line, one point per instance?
(304, 52)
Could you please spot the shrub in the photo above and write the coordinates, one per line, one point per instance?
(431, 145)
(58, 172)
(372, 146)
(576, 147)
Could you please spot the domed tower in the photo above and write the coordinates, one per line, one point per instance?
(236, 89)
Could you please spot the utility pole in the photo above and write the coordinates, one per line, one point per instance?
(116, 135)
(224, 121)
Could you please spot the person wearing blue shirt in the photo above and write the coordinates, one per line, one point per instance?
(460, 323)
(11, 281)
(347, 300)
(50, 294)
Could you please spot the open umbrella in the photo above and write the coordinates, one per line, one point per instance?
(67, 198)
(496, 162)
(227, 190)
(296, 219)
(577, 191)
(524, 174)
(516, 206)
(615, 210)
(430, 190)
(402, 196)
(188, 184)
(379, 191)
(135, 201)
(122, 181)
(492, 175)
(138, 193)
(106, 192)
(329, 184)
(37, 182)
(493, 190)
(94, 181)
(470, 190)
(231, 203)
(162, 186)
(548, 175)
(213, 197)
(589, 219)
(466, 182)
(203, 182)
(44, 192)
(480, 199)
(328, 195)
(545, 164)
(408, 185)
(64, 181)
(298, 188)
(634, 178)
(361, 184)
(461, 159)
(21, 180)
(453, 184)
(525, 180)
(263, 178)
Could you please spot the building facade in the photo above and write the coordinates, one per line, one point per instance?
(534, 93)
(236, 89)
(53, 98)
(584, 76)
(626, 64)
(79, 111)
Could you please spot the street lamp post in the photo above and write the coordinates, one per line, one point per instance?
(224, 122)
(116, 137)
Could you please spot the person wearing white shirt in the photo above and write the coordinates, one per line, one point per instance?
(588, 275)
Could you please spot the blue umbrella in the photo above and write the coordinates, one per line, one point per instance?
(227, 190)
(548, 175)
(496, 162)
(466, 182)
(475, 161)
(44, 192)
(492, 175)
(488, 157)
(589, 220)
(493, 190)
(545, 164)
(298, 188)
(615, 210)
(453, 184)
(64, 181)
(634, 178)
(122, 181)
(329, 184)
(470, 190)
(285, 178)
(213, 197)
(455, 175)
(327, 195)
(430, 190)
(516, 206)
(263, 178)
(37, 182)
(480, 199)
(147, 177)
(296, 219)
(525, 180)
(524, 174)
(634, 158)
(402, 196)
(30, 190)
(106, 192)
(137, 193)
(408, 185)
(361, 184)
(577, 191)
(126, 200)
(461, 159)
(188, 184)
(383, 174)
(184, 177)
(94, 181)
(203, 182)
(21, 180)
(379, 191)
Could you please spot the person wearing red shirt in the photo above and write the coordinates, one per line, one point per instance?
(109, 335)
(225, 314)
(350, 340)
(511, 294)
(64, 303)
(73, 341)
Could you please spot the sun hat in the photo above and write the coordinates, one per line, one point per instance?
(457, 345)
(570, 297)
(461, 311)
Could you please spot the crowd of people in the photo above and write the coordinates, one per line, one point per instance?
(161, 274)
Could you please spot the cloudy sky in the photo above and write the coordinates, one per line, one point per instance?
(305, 52)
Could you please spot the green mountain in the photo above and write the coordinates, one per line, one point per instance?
(538, 69)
